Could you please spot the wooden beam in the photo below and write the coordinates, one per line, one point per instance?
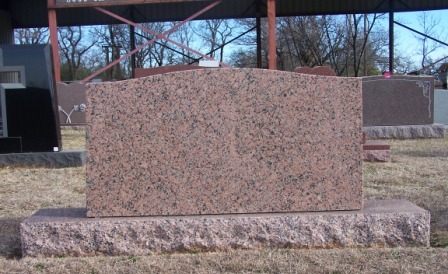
(272, 41)
(52, 22)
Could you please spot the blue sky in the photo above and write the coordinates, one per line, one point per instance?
(406, 41)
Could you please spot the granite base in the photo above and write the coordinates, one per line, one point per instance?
(376, 151)
(68, 232)
(376, 155)
(405, 132)
(62, 159)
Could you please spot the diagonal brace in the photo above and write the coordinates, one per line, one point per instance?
(163, 35)
(158, 36)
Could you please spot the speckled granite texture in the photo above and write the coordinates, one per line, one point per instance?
(67, 232)
(143, 72)
(405, 132)
(218, 141)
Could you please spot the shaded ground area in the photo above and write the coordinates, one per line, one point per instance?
(417, 172)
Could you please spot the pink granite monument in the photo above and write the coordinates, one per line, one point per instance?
(224, 141)
(218, 159)
(319, 70)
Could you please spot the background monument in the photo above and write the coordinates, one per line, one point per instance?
(28, 101)
(399, 107)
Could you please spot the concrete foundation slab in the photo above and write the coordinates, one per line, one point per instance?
(58, 232)
(62, 159)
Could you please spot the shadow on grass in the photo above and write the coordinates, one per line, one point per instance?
(425, 154)
(439, 228)
(10, 246)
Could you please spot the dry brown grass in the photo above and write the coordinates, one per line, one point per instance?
(418, 172)
(73, 139)
(398, 260)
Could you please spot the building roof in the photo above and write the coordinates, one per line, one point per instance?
(33, 13)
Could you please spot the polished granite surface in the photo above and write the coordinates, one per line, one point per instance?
(223, 141)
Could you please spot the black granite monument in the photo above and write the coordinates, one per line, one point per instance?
(29, 113)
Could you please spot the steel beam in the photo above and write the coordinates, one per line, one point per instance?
(391, 36)
(132, 44)
(421, 33)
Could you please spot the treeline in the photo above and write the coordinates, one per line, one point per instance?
(353, 45)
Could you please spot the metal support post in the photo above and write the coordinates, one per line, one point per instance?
(52, 22)
(391, 36)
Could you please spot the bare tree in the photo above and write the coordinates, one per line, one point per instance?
(334, 31)
(429, 25)
(402, 64)
(160, 52)
(302, 42)
(359, 30)
(142, 56)
(215, 34)
(245, 54)
(31, 36)
(114, 40)
(73, 47)
(185, 36)
(338, 41)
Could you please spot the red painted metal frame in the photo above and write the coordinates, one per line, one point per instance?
(272, 44)
(158, 36)
(52, 22)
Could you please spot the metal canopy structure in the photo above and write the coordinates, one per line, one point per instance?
(34, 13)
(54, 13)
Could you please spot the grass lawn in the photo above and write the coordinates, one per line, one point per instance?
(418, 172)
